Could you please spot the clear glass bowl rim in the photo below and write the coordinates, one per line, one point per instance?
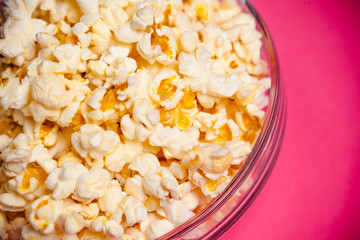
(270, 138)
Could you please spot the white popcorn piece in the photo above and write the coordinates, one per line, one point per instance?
(134, 187)
(90, 8)
(158, 45)
(58, 9)
(160, 183)
(43, 157)
(44, 213)
(70, 56)
(46, 40)
(16, 156)
(134, 210)
(101, 36)
(14, 93)
(71, 223)
(123, 154)
(145, 117)
(126, 34)
(90, 212)
(213, 159)
(192, 200)
(178, 171)
(143, 17)
(175, 143)
(144, 162)
(216, 40)
(239, 150)
(133, 233)
(107, 226)
(20, 21)
(159, 228)
(222, 86)
(29, 184)
(29, 232)
(50, 91)
(188, 41)
(93, 143)
(12, 202)
(62, 181)
(112, 198)
(166, 89)
(113, 14)
(5, 140)
(176, 211)
(92, 185)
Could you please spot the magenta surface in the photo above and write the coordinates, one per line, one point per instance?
(313, 192)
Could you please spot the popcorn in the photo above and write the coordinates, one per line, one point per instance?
(159, 228)
(50, 91)
(166, 89)
(214, 187)
(144, 162)
(143, 17)
(188, 41)
(126, 34)
(112, 198)
(122, 155)
(70, 56)
(113, 14)
(71, 223)
(44, 213)
(14, 92)
(175, 143)
(63, 180)
(145, 117)
(121, 119)
(109, 227)
(29, 232)
(93, 143)
(28, 184)
(12, 202)
(160, 183)
(16, 156)
(134, 187)
(158, 45)
(19, 20)
(92, 185)
(134, 210)
(176, 211)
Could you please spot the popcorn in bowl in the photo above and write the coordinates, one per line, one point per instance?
(123, 119)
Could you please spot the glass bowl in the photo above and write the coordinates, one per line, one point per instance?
(221, 213)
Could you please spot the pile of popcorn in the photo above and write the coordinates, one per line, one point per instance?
(121, 119)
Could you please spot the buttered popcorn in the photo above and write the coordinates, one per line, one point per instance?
(122, 119)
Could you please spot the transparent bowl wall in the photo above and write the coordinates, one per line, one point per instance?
(231, 204)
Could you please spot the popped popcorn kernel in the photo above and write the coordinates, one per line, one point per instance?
(212, 185)
(109, 100)
(252, 126)
(224, 134)
(33, 170)
(166, 90)
(163, 42)
(202, 10)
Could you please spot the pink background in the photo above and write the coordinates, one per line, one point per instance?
(314, 190)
